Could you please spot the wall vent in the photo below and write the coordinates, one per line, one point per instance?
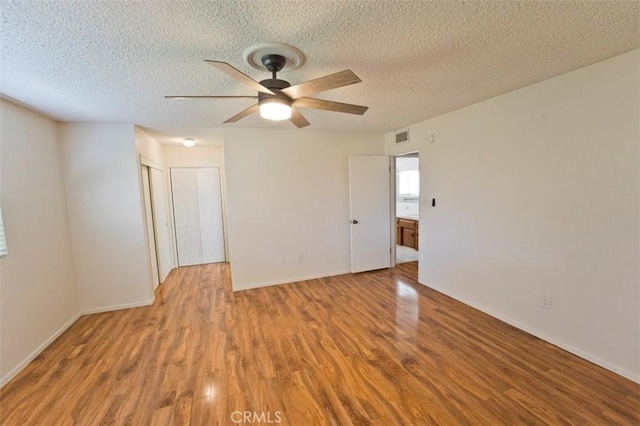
(402, 136)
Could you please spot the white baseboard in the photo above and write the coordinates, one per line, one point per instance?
(14, 371)
(289, 280)
(117, 307)
(537, 333)
(18, 368)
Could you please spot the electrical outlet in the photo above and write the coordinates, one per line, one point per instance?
(545, 302)
(280, 260)
(300, 258)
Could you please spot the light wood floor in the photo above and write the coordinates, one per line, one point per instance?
(372, 348)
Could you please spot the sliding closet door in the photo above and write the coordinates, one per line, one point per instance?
(198, 215)
(210, 212)
(161, 222)
(185, 212)
(148, 211)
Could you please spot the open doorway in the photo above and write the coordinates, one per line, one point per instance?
(407, 199)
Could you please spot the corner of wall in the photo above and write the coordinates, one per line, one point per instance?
(105, 213)
(37, 222)
(539, 191)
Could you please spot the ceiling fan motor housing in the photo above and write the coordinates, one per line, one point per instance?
(275, 85)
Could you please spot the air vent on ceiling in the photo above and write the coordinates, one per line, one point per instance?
(402, 136)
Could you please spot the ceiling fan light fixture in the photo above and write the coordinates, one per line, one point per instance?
(277, 97)
(275, 109)
(188, 142)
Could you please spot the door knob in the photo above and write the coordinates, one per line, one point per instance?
(354, 221)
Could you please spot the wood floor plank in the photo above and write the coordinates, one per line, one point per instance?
(371, 348)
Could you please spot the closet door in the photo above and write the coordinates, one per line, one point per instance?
(149, 222)
(161, 222)
(197, 205)
(185, 212)
(210, 212)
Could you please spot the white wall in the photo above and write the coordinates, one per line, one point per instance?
(287, 193)
(538, 195)
(38, 290)
(102, 182)
(197, 156)
(148, 148)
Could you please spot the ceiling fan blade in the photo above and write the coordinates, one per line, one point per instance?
(330, 106)
(239, 75)
(298, 119)
(243, 114)
(209, 97)
(328, 82)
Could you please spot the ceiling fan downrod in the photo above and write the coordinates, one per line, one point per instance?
(274, 63)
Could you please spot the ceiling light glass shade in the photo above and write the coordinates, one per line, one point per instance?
(275, 109)
(188, 142)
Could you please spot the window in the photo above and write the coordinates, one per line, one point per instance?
(409, 183)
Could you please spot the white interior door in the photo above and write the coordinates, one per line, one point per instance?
(153, 259)
(197, 205)
(370, 212)
(161, 222)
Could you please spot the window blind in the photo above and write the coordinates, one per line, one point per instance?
(3, 241)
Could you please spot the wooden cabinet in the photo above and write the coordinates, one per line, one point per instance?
(407, 233)
(409, 238)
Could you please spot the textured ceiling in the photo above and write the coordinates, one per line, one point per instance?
(113, 61)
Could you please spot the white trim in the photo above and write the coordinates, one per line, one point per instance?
(117, 307)
(3, 240)
(554, 341)
(392, 210)
(18, 368)
(152, 164)
(291, 280)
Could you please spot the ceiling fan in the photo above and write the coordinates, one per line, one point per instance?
(279, 100)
